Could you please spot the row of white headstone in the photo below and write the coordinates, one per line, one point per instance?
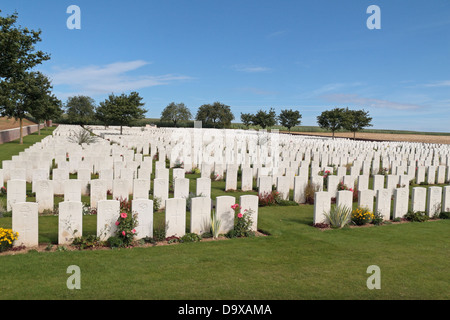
(70, 218)
(432, 200)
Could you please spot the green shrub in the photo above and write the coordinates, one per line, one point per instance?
(416, 216)
(87, 242)
(444, 215)
(190, 237)
(114, 242)
(339, 216)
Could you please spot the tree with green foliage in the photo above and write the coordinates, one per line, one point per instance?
(289, 118)
(80, 109)
(217, 115)
(356, 120)
(41, 103)
(332, 120)
(265, 119)
(17, 57)
(247, 119)
(121, 110)
(176, 112)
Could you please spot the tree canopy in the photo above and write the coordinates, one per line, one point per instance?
(356, 120)
(17, 58)
(265, 118)
(176, 112)
(217, 115)
(332, 119)
(80, 109)
(289, 118)
(121, 110)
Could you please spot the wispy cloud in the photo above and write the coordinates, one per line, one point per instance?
(114, 77)
(369, 102)
(249, 68)
(276, 34)
(445, 83)
(257, 91)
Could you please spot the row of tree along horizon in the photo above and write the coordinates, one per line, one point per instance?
(127, 111)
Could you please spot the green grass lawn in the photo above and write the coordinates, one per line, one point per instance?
(296, 261)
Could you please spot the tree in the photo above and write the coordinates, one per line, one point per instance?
(265, 119)
(355, 120)
(176, 113)
(332, 119)
(17, 57)
(121, 110)
(247, 119)
(80, 109)
(217, 115)
(41, 103)
(289, 118)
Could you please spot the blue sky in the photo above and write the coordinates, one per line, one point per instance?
(306, 55)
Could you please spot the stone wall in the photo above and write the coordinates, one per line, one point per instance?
(14, 134)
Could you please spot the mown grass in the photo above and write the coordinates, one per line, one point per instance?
(296, 261)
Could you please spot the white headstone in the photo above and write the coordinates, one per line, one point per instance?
(401, 201)
(181, 188)
(25, 222)
(322, 205)
(418, 199)
(434, 201)
(225, 213)
(175, 217)
(141, 188)
(70, 221)
(107, 214)
(383, 203)
(98, 191)
(200, 215)
(203, 187)
(144, 210)
(249, 205)
(16, 192)
(161, 191)
(44, 195)
(72, 190)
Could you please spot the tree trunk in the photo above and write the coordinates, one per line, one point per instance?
(354, 135)
(21, 130)
(39, 128)
(120, 130)
(333, 135)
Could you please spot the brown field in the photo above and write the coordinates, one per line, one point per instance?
(383, 136)
(6, 123)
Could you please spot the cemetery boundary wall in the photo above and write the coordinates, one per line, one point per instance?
(13, 134)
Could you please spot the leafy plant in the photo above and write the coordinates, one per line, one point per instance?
(126, 224)
(416, 216)
(215, 224)
(444, 215)
(361, 216)
(339, 216)
(81, 136)
(310, 190)
(86, 242)
(114, 242)
(377, 218)
(7, 236)
(242, 223)
(190, 237)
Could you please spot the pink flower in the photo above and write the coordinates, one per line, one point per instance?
(123, 215)
(134, 230)
(123, 233)
(350, 189)
(117, 222)
(240, 215)
(234, 206)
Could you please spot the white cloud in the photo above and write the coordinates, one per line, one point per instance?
(369, 102)
(98, 80)
(249, 68)
(445, 83)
